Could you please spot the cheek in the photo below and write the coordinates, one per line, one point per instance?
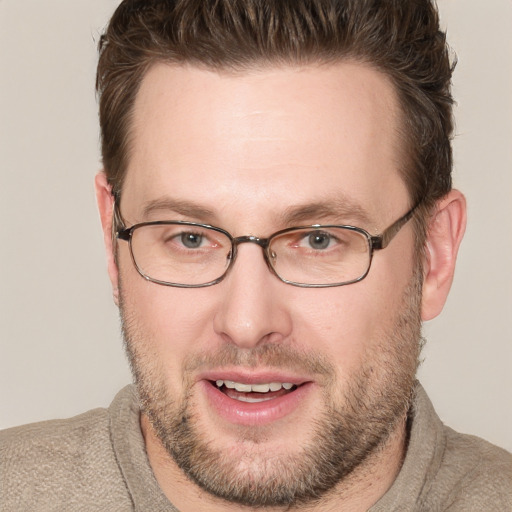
(348, 323)
(165, 321)
(339, 323)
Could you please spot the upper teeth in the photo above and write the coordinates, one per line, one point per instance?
(258, 388)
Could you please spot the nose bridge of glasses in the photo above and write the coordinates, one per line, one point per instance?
(262, 242)
(250, 239)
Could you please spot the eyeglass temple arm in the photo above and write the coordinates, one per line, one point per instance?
(382, 241)
(118, 226)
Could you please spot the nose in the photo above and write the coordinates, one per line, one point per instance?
(252, 309)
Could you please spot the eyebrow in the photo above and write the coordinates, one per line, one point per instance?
(337, 211)
(181, 207)
(333, 210)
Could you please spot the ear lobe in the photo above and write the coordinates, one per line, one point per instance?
(445, 231)
(105, 201)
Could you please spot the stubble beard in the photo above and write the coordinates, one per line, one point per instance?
(353, 426)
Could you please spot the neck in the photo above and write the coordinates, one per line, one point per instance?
(357, 492)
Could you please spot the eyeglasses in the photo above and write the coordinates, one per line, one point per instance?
(193, 255)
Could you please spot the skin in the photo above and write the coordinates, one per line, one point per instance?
(246, 148)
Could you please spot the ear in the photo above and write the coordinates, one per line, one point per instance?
(444, 235)
(105, 201)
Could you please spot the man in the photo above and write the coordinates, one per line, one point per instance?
(279, 220)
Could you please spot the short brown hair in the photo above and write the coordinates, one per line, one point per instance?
(400, 38)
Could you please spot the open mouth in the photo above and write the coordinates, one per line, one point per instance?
(254, 393)
(256, 400)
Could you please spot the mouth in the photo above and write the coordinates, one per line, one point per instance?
(254, 393)
(251, 400)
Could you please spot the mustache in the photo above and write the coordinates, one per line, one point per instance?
(273, 356)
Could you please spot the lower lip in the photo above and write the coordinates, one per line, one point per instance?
(259, 413)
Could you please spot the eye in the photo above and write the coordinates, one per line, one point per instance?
(322, 240)
(319, 240)
(191, 240)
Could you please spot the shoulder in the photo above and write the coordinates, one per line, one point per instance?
(464, 473)
(447, 471)
(64, 435)
(60, 461)
(477, 474)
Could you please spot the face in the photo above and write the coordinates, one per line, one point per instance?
(254, 153)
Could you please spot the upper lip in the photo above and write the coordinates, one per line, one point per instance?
(253, 377)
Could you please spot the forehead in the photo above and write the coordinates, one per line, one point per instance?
(265, 137)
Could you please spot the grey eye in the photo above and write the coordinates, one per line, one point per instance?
(191, 240)
(319, 240)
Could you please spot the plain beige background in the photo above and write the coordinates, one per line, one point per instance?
(60, 347)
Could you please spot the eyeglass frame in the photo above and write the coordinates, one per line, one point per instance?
(375, 243)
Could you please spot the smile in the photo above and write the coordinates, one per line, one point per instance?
(250, 400)
(254, 393)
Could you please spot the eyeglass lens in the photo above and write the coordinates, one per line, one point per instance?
(195, 255)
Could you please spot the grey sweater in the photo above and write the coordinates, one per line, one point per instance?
(97, 462)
